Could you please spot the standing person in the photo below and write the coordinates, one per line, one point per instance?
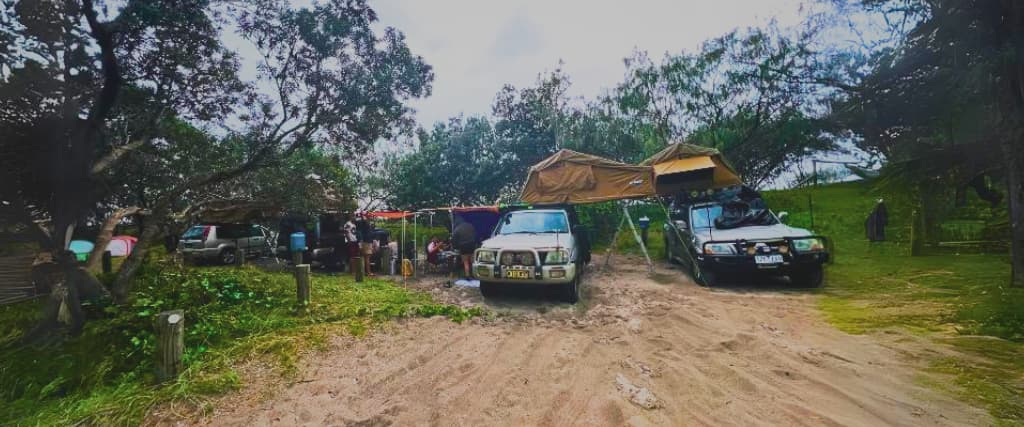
(351, 243)
(464, 240)
(877, 221)
(365, 241)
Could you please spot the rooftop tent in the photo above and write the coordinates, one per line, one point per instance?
(235, 211)
(571, 177)
(681, 167)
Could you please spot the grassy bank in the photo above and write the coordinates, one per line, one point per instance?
(961, 300)
(105, 376)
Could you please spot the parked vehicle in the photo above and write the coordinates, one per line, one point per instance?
(733, 233)
(325, 242)
(534, 246)
(218, 242)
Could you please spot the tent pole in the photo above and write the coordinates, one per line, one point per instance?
(639, 241)
(415, 244)
(611, 247)
(684, 253)
(401, 253)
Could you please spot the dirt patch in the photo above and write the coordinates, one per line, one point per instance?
(636, 351)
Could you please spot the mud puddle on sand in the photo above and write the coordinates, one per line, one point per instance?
(636, 351)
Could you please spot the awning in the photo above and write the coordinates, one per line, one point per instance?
(389, 214)
(684, 165)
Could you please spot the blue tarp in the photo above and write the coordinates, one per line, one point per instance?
(483, 220)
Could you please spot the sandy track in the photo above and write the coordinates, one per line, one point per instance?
(637, 352)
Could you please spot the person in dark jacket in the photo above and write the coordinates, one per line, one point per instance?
(365, 236)
(876, 222)
(464, 241)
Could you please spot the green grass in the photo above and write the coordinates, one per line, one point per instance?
(105, 376)
(948, 297)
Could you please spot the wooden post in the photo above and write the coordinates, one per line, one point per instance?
(107, 263)
(296, 258)
(916, 234)
(302, 283)
(357, 268)
(170, 345)
(239, 257)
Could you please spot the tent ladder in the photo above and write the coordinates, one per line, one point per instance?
(639, 241)
(611, 247)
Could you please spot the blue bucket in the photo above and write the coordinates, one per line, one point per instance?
(298, 242)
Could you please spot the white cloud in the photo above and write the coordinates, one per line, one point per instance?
(476, 46)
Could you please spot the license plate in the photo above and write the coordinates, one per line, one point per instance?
(517, 274)
(768, 259)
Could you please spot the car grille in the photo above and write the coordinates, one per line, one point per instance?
(517, 258)
(764, 248)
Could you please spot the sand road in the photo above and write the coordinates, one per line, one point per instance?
(638, 351)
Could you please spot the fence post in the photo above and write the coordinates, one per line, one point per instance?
(357, 268)
(170, 345)
(302, 283)
(107, 263)
(296, 258)
(916, 232)
(239, 257)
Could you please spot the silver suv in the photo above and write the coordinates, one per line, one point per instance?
(534, 246)
(217, 242)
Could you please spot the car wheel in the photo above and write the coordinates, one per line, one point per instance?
(706, 277)
(488, 289)
(227, 256)
(809, 277)
(571, 293)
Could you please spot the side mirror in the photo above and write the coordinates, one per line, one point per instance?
(682, 225)
(783, 217)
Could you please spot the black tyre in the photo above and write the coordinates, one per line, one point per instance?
(808, 277)
(571, 291)
(227, 256)
(488, 289)
(706, 277)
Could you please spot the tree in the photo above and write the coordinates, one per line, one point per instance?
(948, 101)
(754, 95)
(88, 86)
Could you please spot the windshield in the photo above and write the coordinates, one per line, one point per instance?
(704, 216)
(534, 222)
(194, 233)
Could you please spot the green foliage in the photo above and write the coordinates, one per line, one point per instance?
(105, 376)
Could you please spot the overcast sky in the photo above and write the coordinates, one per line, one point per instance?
(476, 46)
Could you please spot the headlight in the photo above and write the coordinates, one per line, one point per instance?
(720, 249)
(812, 244)
(486, 257)
(556, 257)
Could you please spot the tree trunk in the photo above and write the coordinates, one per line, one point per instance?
(103, 239)
(1015, 185)
(123, 282)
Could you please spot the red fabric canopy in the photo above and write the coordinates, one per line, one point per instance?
(389, 214)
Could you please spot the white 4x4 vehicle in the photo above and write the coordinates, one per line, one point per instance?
(534, 247)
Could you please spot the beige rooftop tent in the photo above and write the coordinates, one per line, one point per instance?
(572, 177)
(681, 167)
